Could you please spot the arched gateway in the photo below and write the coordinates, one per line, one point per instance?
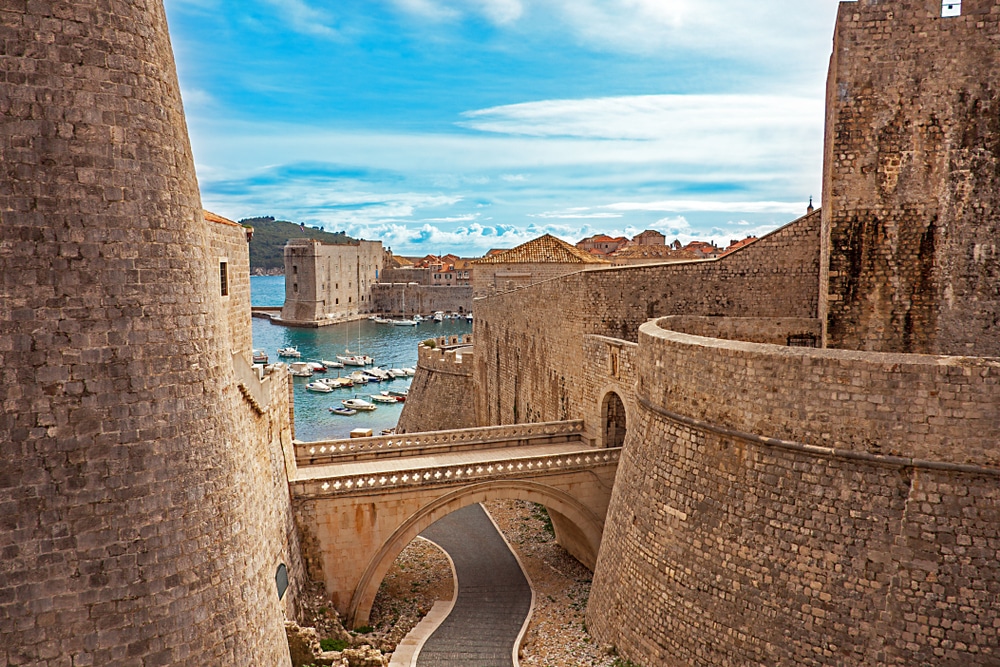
(358, 503)
(614, 420)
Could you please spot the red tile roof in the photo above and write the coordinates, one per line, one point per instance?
(544, 249)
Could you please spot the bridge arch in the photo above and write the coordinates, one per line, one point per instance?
(577, 528)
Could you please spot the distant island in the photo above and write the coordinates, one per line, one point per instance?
(267, 255)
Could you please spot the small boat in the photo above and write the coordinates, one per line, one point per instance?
(397, 373)
(319, 387)
(381, 320)
(410, 372)
(259, 357)
(316, 367)
(300, 369)
(338, 382)
(438, 316)
(357, 377)
(358, 404)
(418, 319)
(347, 412)
(401, 393)
(379, 373)
(351, 360)
(331, 364)
(404, 323)
(468, 317)
(383, 398)
(289, 352)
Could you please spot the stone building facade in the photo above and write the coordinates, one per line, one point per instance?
(326, 283)
(410, 299)
(537, 260)
(144, 491)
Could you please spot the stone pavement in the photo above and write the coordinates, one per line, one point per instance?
(494, 596)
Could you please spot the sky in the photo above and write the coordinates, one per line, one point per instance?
(459, 126)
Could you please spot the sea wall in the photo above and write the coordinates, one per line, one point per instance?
(784, 506)
(412, 299)
(442, 394)
(530, 357)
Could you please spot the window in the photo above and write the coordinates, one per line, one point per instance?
(295, 270)
(951, 8)
(224, 277)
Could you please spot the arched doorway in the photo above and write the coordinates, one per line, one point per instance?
(613, 413)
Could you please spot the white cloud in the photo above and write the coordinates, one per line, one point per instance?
(304, 19)
(682, 205)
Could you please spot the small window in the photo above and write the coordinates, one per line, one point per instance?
(295, 287)
(951, 8)
(224, 277)
(295, 270)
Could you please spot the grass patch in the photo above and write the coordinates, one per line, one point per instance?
(333, 644)
(539, 512)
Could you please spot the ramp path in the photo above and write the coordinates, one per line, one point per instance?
(493, 600)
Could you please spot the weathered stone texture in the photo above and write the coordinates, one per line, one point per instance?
(547, 323)
(442, 394)
(911, 197)
(410, 299)
(326, 282)
(135, 524)
(228, 243)
(723, 550)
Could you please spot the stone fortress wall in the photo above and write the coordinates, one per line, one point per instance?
(530, 360)
(228, 243)
(327, 283)
(442, 392)
(789, 506)
(143, 518)
(912, 178)
(410, 298)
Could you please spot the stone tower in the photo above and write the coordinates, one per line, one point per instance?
(130, 533)
(911, 198)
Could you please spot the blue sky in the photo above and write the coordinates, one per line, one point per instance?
(462, 125)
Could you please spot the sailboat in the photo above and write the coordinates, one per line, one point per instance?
(351, 359)
(404, 322)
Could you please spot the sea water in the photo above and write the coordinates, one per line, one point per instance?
(391, 346)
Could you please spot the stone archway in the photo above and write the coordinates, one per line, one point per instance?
(613, 420)
(578, 530)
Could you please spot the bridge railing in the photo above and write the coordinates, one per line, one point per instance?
(455, 474)
(331, 451)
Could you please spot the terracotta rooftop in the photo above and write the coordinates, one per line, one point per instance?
(212, 217)
(544, 249)
(636, 251)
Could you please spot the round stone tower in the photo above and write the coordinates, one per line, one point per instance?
(129, 531)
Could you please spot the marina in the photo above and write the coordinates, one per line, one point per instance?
(393, 349)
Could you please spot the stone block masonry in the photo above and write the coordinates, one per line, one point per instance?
(911, 194)
(442, 393)
(140, 522)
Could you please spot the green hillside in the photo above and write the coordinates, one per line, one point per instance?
(270, 237)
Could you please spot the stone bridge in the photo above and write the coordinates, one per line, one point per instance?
(359, 502)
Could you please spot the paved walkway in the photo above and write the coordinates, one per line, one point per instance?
(493, 595)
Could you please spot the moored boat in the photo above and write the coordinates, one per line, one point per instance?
(347, 412)
(259, 357)
(291, 352)
(300, 369)
(319, 387)
(358, 404)
(383, 398)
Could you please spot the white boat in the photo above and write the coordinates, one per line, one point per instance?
(331, 364)
(339, 382)
(404, 323)
(358, 404)
(380, 398)
(410, 372)
(418, 319)
(352, 360)
(357, 377)
(259, 357)
(289, 352)
(397, 373)
(319, 387)
(382, 320)
(347, 412)
(300, 369)
(316, 367)
(403, 393)
(468, 317)
(438, 316)
(379, 373)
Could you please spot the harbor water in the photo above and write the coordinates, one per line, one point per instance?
(391, 347)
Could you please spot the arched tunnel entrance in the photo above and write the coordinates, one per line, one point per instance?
(614, 420)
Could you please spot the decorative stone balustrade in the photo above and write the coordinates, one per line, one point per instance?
(424, 477)
(307, 453)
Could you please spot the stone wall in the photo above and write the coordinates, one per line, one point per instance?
(799, 332)
(228, 243)
(137, 511)
(911, 195)
(326, 282)
(442, 393)
(530, 360)
(729, 542)
(489, 279)
(411, 299)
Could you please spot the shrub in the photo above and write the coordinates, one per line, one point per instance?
(333, 644)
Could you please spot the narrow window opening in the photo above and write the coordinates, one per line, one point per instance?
(951, 8)
(224, 277)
